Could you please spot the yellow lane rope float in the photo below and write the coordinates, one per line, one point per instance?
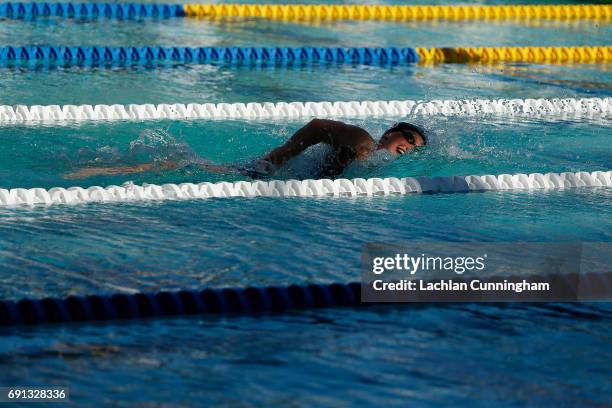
(402, 13)
(484, 55)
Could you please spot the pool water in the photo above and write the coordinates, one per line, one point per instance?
(428, 355)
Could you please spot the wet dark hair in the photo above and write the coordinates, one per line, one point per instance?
(404, 127)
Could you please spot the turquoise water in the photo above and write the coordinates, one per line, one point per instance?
(233, 32)
(425, 355)
(48, 156)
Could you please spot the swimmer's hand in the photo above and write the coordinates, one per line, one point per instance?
(264, 167)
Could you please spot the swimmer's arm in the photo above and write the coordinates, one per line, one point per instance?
(106, 171)
(330, 132)
(109, 171)
(307, 136)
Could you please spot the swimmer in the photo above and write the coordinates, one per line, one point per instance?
(348, 143)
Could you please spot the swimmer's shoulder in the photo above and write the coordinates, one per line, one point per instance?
(362, 142)
(329, 124)
(348, 131)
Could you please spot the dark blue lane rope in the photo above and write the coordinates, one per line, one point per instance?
(26, 11)
(186, 302)
(112, 56)
(271, 299)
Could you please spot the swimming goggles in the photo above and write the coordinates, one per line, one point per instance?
(407, 130)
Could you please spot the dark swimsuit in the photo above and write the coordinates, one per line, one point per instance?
(334, 164)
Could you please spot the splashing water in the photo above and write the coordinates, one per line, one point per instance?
(158, 146)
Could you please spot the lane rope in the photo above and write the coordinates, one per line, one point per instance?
(304, 188)
(186, 302)
(27, 11)
(95, 56)
(256, 300)
(576, 107)
(401, 13)
(489, 55)
(306, 12)
(108, 57)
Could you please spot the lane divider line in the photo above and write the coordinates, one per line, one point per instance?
(576, 107)
(304, 188)
(306, 12)
(109, 57)
(401, 13)
(489, 55)
(255, 301)
(229, 301)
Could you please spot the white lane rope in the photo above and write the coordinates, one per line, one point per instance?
(304, 188)
(296, 110)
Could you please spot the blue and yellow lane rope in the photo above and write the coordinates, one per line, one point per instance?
(109, 56)
(307, 12)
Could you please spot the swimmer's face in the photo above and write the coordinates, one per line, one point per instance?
(398, 143)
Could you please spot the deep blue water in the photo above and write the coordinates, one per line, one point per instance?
(416, 355)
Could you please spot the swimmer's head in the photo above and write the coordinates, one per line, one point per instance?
(402, 138)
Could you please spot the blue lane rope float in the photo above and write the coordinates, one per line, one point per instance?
(270, 299)
(27, 11)
(101, 56)
(186, 302)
